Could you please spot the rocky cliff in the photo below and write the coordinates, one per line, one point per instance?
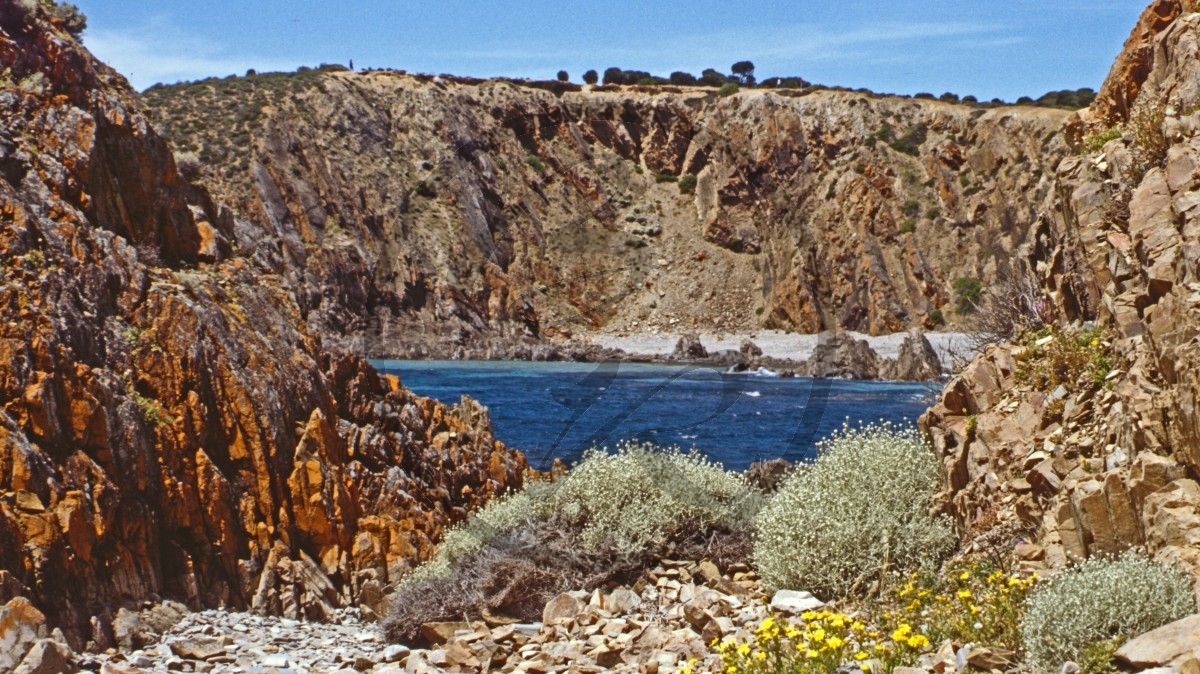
(1088, 441)
(417, 215)
(169, 426)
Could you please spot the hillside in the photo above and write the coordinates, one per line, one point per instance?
(425, 216)
(169, 426)
(1086, 441)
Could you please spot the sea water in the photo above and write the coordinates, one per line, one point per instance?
(558, 410)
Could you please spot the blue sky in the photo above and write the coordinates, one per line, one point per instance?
(989, 48)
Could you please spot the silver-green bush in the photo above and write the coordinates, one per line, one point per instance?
(640, 495)
(1098, 600)
(862, 505)
(625, 502)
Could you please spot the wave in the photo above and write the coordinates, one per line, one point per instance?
(753, 394)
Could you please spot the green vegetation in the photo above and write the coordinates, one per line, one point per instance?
(1098, 601)
(967, 291)
(1096, 141)
(744, 71)
(728, 89)
(862, 506)
(937, 317)
(1067, 99)
(535, 162)
(911, 208)
(932, 213)
(591, 77)
(612, 514)
(563, 76)
(908, 226)
(1071, 357)
(425, 188)
(687, 183)
(665, 177)
(152, 412)
(910, 143)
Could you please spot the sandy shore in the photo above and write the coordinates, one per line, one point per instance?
(950, 346)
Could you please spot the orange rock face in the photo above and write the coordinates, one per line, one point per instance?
(168, 426)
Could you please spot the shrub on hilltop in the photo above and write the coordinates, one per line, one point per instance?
(836, 523)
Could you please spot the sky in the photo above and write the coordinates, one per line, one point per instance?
(988, 48)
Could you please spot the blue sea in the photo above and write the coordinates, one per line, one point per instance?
(558, 410)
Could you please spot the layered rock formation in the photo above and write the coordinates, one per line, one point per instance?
(414, 215)
(169, 426)
(1098, 465)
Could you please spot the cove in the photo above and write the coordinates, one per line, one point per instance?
(558, 410)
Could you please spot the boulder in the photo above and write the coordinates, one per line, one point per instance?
(560, 609)
(1168, 645)
(689, 348)
(766, 474)
(47, 657)
(840, 355)
(794, 603)
(20, 626)
(917, 360)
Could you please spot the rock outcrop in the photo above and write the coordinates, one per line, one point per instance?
(169, 426)
(812, 210)
(1101, 463)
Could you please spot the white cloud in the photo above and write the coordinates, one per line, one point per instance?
(158, 51)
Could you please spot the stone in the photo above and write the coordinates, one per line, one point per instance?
(560, 609)
(622, 600)
(198, 649)
(47, 657)
(708, 571)
(987, 659)
(795, 603)
(395, 653)
(438, 633)
(1167, 645)
(20, 626)
(689, 347)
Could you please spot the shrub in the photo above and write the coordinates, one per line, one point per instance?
(932, 213)
(1013, 305)
(687, 183)
(908, 226)
(563, 76)
(967, 291)
(1095, 142)
(1072, 358)
(910, 143)
(937, 317)
(424, 188)
(636, 498)
(591, 77)
(728, 89)
(683, 79)
(73, 20)
(665, 177)
(911, 208)
(535, 162)
(863, 504)
(640, 495)
(610, 517)
(1099, 600)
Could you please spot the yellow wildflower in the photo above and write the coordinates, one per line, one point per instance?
(861, 655)
(964, 594)
(743, 650)
(918, 641)
(835, 642)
